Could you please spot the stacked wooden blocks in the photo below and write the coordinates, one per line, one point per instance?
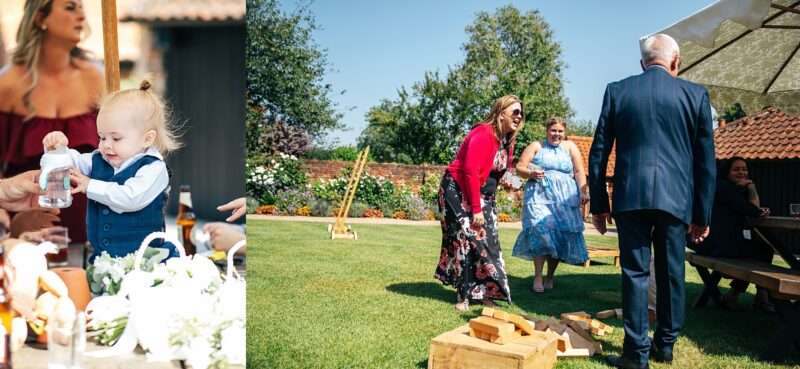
(499, 327)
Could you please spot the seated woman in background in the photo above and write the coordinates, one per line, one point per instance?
(735, 199)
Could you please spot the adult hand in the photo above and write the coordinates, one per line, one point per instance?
(599, 222)
(5, 224)
(224, 236)
(698, 233)
(478, 220)
(53, 234)
(239, 207)
(584, 198)
(764, 212)
(537, 174)
(21, 192)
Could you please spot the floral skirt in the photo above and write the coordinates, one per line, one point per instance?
(470, 258)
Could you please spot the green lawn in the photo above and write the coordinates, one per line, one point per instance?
(373, 303)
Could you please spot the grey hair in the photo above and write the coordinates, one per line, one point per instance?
(659, 47)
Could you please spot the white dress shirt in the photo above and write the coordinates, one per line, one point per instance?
(133, 195)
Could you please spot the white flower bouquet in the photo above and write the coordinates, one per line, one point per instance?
(182, 309)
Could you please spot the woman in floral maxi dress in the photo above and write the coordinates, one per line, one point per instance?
(471, 259)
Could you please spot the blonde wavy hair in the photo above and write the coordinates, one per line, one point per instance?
(493, 117)
(29, 46)
(150, 112)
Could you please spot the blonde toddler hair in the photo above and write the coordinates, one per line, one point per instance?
(150, 111)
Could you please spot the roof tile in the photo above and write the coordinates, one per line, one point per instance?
(768, 134)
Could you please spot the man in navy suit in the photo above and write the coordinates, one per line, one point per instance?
(663, 189)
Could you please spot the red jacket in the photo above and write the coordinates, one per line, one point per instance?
(474, 160)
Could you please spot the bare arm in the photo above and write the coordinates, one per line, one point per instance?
(577, 163)
(526, 158)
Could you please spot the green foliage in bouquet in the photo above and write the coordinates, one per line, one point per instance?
(105, 274)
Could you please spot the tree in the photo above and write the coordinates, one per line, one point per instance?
(508, 52)
(733, 112)
(580, 128)
(285, 71)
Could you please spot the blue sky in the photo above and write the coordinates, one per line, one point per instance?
(375, 47)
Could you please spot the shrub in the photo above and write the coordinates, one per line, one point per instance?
(289, 201)
(400, 215)
(303, 211)
(357, 209)
(266, 209)
(417, 209)
(320, 207)
(266, 179)
(504, 218)
(373, 213)
(372, 190)
(429, 191)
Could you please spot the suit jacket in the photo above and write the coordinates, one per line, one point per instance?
(665, 147)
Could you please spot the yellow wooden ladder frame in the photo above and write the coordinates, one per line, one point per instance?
(339, 229)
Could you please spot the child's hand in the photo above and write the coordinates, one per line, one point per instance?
(80, 181)
(54, 139)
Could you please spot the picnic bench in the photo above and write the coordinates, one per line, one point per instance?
(782, 283)
(597, 252)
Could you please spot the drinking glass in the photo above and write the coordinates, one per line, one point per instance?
(66, 344)
(59, 236)
(794, 210)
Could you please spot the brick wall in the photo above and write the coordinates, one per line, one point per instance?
(410, 175)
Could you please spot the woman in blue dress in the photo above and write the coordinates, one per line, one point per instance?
(552, 225)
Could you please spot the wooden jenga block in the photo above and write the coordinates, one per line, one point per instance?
(575, 327)
(577, 324)
(487, 311)
(578, 315)
(491, 325)
(578, 341)
(502, 315)
(561, 342)
(521, 323)
(605, 314)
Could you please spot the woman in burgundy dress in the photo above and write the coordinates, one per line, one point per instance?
(49, 85)
(470, 259)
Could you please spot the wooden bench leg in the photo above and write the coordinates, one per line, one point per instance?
(587, 263)
(787, 339)
(710, 290)
(616, 261)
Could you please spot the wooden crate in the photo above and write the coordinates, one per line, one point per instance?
(457, 350)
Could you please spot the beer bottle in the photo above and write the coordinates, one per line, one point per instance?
(186, 220)
(6, 315)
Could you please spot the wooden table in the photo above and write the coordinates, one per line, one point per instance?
(32, 358)
(782, 283)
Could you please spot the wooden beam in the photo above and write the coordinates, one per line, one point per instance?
(783, 66)
(776, 26)
(737, 38)
(110, 45)
(786, 8)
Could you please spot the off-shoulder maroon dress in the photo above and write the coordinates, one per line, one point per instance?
(21, 148)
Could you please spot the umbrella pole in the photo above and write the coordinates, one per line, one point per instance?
(110, 45)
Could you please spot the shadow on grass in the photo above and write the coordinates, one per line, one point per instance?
(430, 290)
(717, 332)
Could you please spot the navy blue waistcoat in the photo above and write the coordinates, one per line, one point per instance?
(121, 234)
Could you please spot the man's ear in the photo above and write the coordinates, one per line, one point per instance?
(675, 64)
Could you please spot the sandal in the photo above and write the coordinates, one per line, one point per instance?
(548, 283)
(462, 306)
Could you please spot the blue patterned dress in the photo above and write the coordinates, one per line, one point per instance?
(551, 217)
